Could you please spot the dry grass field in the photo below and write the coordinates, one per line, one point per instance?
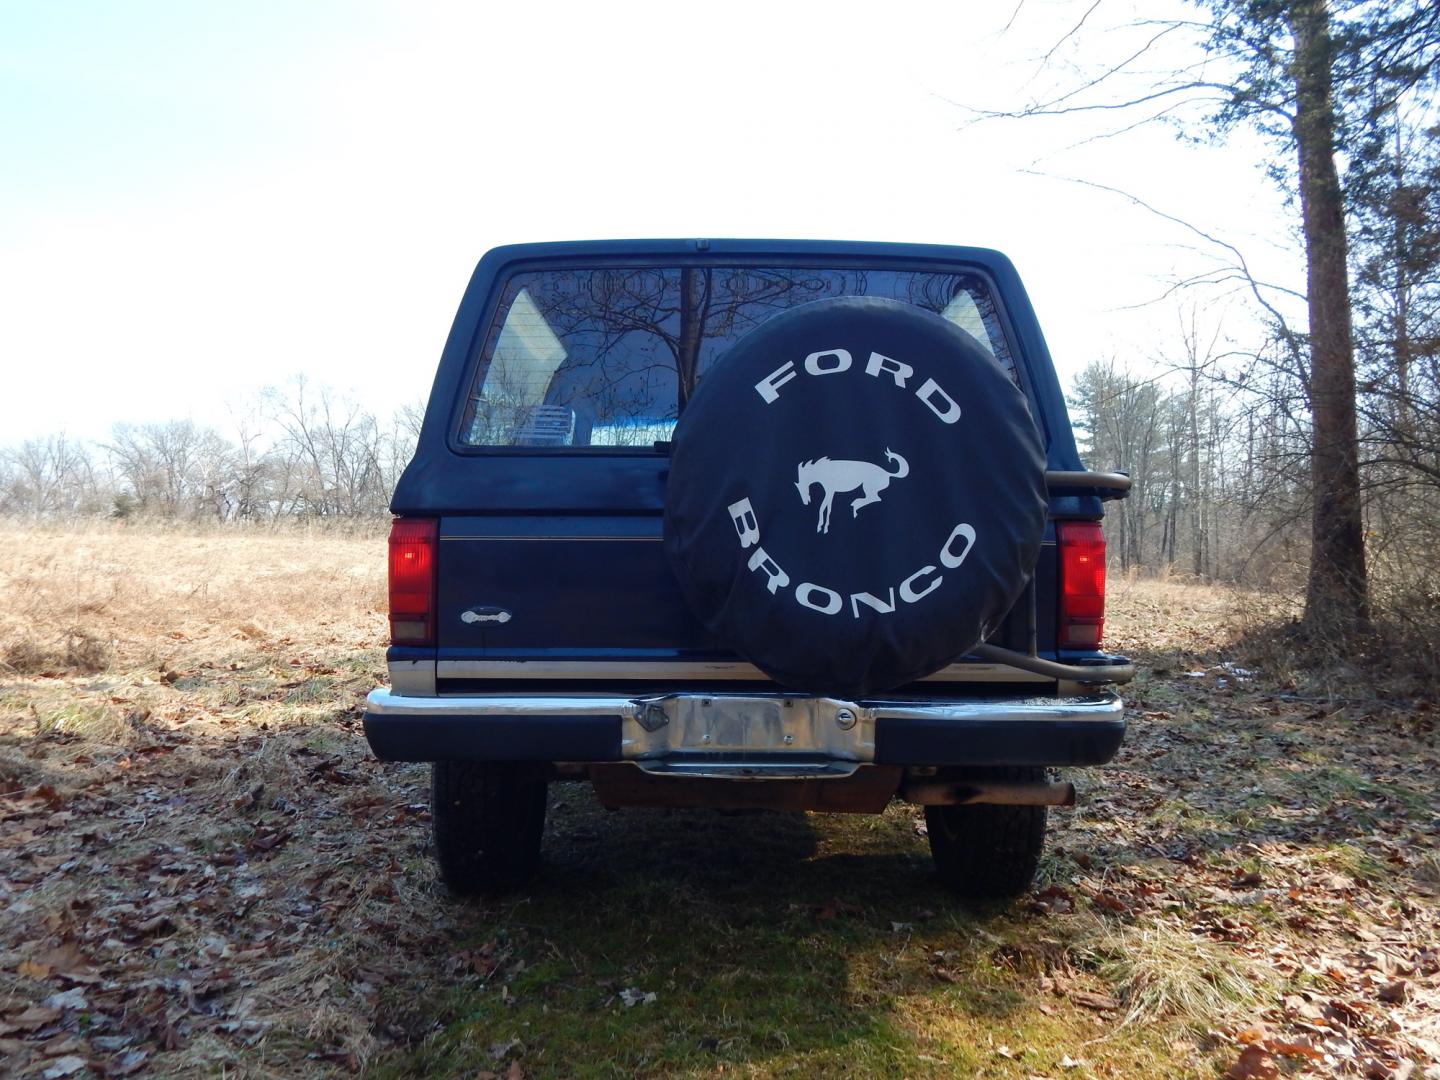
(202, 871)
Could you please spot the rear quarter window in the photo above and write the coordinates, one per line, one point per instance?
(607, 357)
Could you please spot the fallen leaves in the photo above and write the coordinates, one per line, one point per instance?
(1097, 1002)
(128, 1063)
(1395, 993)
(154, 945)
(1259, 1044)
(29, 1019)
(267, 839)
(65, 1066)
(68, 999)
(1110, 902)
(65, 959)
(1254, 1063)
(1285, 1048)
(834, 908)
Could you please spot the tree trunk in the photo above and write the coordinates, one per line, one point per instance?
(1197, 505)
(1402, 285)
(1336, 597)
(694, 305)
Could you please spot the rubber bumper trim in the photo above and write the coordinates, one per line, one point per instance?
(455, 737)
(997, 742)
(1083, 730)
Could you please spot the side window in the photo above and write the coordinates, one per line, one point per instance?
(511, 407)
(608, 357)
(964, 312)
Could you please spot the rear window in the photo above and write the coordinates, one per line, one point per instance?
(608, 357)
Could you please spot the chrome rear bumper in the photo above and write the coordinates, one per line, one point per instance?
(745, 735)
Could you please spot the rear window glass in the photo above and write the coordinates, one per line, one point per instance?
(608, 357)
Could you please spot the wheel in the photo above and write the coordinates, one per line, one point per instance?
(488, 819)
(984, 851)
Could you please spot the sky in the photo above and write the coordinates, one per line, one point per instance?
(199, 200)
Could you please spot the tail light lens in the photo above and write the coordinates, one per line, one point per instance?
(412, 581)
(1082, 584)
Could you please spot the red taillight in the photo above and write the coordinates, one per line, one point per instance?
(1082, 583)
(412, 581)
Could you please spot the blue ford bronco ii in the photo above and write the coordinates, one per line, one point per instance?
(748, 524)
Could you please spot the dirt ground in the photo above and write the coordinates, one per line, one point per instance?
(203, 871)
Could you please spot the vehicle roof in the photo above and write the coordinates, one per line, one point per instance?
(713, 246)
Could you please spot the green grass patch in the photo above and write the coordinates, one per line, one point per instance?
(775, 944)
(77, 717)
(310, 691)
(1354, 860)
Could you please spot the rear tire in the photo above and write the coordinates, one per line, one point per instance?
(488, 819)
(988, 852)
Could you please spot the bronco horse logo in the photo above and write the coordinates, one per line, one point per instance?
(838, 476)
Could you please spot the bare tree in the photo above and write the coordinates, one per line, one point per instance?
(173, 469)
(330, 450)
(303, 451)
(1118, 418)
(47, 477)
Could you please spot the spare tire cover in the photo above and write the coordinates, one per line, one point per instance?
(856, 496)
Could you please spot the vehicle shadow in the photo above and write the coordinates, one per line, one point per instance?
(760, 934)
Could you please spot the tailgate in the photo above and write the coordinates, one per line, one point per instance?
(591, 598)
(575, 587)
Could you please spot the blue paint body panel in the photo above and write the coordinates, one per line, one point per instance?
(595, 584)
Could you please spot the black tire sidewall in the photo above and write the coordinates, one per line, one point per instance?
(985, 851)
(488, 821)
